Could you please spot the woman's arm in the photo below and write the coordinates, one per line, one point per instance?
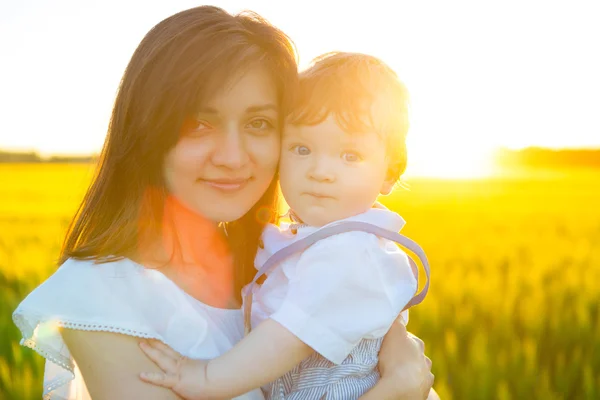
(405, 370)
(110, 364)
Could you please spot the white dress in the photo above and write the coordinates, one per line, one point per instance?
(121, 297)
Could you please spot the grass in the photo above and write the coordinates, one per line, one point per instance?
(513, 310)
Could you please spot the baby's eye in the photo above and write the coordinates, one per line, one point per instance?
(301, 150)
(351, 156)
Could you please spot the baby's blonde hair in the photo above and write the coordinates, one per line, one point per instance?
(363, 94)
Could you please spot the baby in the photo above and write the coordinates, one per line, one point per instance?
(335, 278)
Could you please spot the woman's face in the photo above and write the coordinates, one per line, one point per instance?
(227, 156)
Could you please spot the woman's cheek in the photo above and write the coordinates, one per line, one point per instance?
(265, 151)
(192, 153)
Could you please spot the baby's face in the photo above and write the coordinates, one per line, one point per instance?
(327, 174)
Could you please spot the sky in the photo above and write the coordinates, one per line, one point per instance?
(481, 74)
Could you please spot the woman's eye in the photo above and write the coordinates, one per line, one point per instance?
(259, 124)
(301, 150)
(196, 128)
(350, 156)
(201, 125)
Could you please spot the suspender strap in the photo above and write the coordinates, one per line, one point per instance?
(336, 229)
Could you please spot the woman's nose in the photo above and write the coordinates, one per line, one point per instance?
(231, 151)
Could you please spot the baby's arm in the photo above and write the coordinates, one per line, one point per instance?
(268, 352)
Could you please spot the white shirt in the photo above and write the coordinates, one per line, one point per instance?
(341, 290)
(121, 297)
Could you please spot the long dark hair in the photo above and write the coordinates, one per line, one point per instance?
(179, 64)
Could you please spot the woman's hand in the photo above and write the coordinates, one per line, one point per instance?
(184, 376)
(404, 368)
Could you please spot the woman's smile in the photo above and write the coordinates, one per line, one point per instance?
(227, 185)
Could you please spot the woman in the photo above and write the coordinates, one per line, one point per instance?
(187, 175)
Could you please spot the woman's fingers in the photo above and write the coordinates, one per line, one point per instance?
(159, 379)
(428, 385)
(398, 329)
(428, 361)
(164, 359)
(418, 341)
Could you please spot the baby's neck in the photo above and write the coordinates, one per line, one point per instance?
(297, 220)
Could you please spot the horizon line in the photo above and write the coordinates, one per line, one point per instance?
(42, 154)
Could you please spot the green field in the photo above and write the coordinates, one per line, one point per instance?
(514, 307)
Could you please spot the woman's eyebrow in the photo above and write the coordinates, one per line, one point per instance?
(263, 107)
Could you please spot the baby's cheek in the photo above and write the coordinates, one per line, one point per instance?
(366, 188)
(287, 167)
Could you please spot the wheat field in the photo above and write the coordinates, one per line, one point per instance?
(514, 306)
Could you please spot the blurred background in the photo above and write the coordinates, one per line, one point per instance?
(503, 178)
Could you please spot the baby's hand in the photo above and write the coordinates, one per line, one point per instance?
(184, 376)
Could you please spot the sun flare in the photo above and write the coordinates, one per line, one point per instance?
(445, 163)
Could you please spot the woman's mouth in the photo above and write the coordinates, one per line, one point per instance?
(226, 185)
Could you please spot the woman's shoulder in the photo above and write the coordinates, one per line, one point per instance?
(117, 296)
(94, 267)
(120, 297)
(87, 295)
(92, 285)
(81, 295)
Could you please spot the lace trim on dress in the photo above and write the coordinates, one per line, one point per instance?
(57, 358)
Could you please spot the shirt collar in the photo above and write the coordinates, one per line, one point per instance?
(274, 237)
(378, 215)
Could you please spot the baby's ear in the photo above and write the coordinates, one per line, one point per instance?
(386, 188)
(395, 170)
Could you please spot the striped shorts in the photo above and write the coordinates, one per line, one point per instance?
(319, 379)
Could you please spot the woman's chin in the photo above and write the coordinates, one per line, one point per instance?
(224, 215)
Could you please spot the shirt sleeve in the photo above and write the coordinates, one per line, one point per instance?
(345, 288)
(119, 297)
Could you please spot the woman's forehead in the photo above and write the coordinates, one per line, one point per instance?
(250, 90)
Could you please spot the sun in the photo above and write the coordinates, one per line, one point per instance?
(454, 162)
